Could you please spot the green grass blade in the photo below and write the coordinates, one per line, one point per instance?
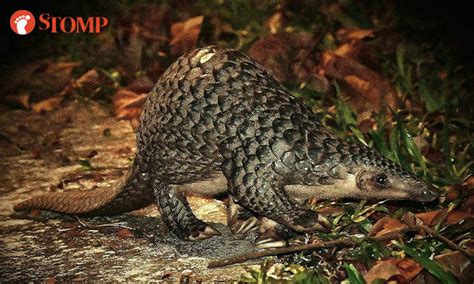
(353, 274)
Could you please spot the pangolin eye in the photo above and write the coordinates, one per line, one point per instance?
(381, 180)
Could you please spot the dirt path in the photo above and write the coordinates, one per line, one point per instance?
(81, 147)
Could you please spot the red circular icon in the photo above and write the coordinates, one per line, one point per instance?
(22, 22)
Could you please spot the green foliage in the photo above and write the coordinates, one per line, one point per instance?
(353, 274)
(369, 251)
(85, 164)
(427, 246)
(346, 117)
(309, 277)
(271, 272)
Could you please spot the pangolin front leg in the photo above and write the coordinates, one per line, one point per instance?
(258, 187)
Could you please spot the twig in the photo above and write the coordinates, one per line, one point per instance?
(342, 242)
(257, 254)
(445, 240)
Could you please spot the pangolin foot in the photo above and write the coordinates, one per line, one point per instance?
(242, 226)
(272, 234)
(307, 221)
(203, 232)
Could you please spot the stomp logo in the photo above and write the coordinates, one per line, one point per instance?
(23, 22)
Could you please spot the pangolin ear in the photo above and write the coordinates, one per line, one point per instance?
(362, 180)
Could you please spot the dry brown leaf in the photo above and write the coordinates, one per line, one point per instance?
(275, 22)
(365, 89)
(42, 79)
(289, 58)
(345, 35)
(128, 105)
(142, 84)
(454, 217)
(458, 264)
(91, 76)
(129, 101)
(467, 205)
(88, 83)
(46, 105)
(385, 226)
(382, 270)
(22, 99)
(274, 52)
(361, 52)
(184, 35)
(125, 233)
(54, 76)
(150, 20)
(408, 267)
(466, 188)
(345, 50)
(386, 269)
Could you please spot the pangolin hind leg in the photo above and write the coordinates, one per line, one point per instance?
(177, 214)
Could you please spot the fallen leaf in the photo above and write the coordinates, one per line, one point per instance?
(467, 205)
(125, 233)
(289, 57)
(275, 53)
(124, 150)
(184, 35)
(408, 267)
(41, 79)
(88, 83)
(128, 105)
(35, 213)
(458, 264)
(98, 177)
(275, 22)
(345, 35)
(453, 217)
(54, 75)
(365, 89)
(46, 105)
(464, 188)
(151, 22)
(385, 226)
(433, 155)
(131, 50)
(22, 99)
(142, 84)
(387, 269)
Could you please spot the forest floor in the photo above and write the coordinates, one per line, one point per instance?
(81, 147)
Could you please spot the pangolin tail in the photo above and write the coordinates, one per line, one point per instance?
(130, 193)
